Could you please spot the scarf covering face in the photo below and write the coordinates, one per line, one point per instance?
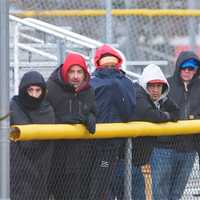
(31, 78)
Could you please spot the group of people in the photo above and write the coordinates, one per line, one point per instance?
(95, 169)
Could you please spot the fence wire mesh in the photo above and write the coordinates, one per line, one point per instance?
(79, 170)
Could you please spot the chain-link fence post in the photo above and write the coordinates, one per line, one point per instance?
(4, 101)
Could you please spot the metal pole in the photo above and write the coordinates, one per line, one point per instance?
(192, 26)
(16, 58)
(128, 170)
(4, 101)
(109, 21)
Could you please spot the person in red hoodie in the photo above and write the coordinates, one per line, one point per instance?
(73, 100)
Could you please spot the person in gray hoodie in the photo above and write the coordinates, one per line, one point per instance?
(173, 159)
(152, 105)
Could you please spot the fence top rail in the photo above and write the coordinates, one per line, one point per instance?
(115, 12)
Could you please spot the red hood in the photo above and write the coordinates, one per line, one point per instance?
(106, 49)
(73, 59)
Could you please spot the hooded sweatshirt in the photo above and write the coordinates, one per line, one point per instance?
(114, 92)
(26, 109)
(187, 100)
(69, 103)
(70, 107)
(107, 50)
(146, 109)
(151, 111)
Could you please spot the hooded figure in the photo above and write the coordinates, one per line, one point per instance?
(152, 105)
(30, 161)
(176, 158)
(73, 101)
(115, 100)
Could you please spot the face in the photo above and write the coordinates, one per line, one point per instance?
(108, 62)
(155, 90)
(34, 91)
(187, 74)
(76, 76)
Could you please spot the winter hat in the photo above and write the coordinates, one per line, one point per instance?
(108, 59)
(191, 63)
(157, 81)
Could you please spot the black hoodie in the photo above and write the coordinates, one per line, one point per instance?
(188, 101)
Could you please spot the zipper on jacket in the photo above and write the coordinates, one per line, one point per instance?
(187, 107)
(79, 107)
(70, 106)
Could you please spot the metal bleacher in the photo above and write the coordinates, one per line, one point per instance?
(38, 45)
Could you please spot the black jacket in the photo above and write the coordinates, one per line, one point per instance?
(69, 108)
(187, 100)
(146, 110)
(30, 160)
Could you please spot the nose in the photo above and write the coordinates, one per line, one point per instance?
(34, 93)
(75, 75)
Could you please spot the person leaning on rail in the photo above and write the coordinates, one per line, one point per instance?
(73, 101)
(115, 100)
(30, 160)
(173, 159)
(152, 105)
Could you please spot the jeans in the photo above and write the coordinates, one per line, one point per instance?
(170, 172)
(138, 183)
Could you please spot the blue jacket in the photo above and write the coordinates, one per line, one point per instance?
(115, 96)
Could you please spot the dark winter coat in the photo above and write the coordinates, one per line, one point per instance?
(115, 101)
(71, 107)
(115, 96)
(30, 161)
(147, 110)
(188, 101)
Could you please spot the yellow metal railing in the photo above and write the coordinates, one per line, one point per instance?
(115, 12)
(112, 130)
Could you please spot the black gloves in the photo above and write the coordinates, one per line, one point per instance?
(89, 121)
(174, 116)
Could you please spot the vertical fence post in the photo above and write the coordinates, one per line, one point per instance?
(4, 101)
(16, 57)
(192, 26)
(109, 21)
(128, 170)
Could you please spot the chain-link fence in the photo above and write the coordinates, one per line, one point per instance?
(140, 37)
(77, 172)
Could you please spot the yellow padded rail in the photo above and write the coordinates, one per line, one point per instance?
(115, 12)
(112, 130)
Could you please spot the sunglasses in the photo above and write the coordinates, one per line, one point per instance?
(188, 68)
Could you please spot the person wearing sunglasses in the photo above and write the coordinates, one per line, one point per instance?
(173, 159)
